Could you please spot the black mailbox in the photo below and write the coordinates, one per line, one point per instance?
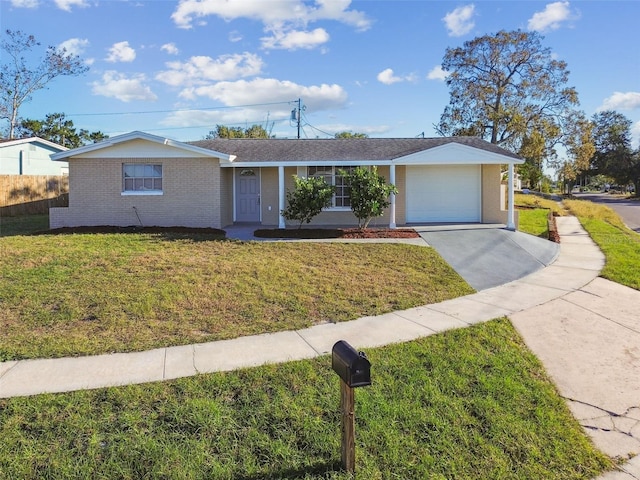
(352, 366)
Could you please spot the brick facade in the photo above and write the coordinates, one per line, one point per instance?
(192, 195)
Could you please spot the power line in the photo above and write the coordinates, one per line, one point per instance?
(246, 122)
(223, 107)
(319, 130)
(316, 128)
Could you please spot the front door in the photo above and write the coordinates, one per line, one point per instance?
(247, 195)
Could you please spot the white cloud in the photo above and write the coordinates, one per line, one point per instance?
(121, 52)
(263, 94)
(270, 13)
(270, 90)
(295, 39)
(621, 101)
(24, 3)
(74, 46)
(550, 18)
(170, 48)
(200, 70)
(118, 85)
(437, 73)
(388, 77)
(460, 21)
(67, 4)
(285, 21)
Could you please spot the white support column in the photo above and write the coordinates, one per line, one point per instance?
(511, 224)
(392, 212)
(281, 197)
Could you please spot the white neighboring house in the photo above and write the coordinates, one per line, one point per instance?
(31, 156)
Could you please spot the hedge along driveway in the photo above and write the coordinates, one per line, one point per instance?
(83, 294)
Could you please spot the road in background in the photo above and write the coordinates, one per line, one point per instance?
(629, 210)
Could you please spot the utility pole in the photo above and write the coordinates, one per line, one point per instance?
(296, 114)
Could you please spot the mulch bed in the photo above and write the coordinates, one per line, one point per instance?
(303, 233)
(112, 229)
(315, 233)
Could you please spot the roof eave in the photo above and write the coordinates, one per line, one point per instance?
(35, 140)
(78, 152)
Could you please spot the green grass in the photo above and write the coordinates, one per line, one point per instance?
(620, 245)
(534, 219)
(64, 295)
(539, 202)
(534, 222)
(466, 404)
(23, 225)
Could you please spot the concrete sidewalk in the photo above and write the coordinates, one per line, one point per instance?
(581, 327)
(589, 342)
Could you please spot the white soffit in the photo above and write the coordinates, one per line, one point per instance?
(455, 154)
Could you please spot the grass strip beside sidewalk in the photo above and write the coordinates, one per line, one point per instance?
(466, 404)
(620, 245)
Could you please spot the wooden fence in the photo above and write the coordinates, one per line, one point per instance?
(32, 194)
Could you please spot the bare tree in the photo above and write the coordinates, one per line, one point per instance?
(503, 87)
(21, 76)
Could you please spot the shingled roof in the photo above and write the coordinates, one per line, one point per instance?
(343, 150)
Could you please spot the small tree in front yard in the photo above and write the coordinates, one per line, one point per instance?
(307, 200)
(369, 194)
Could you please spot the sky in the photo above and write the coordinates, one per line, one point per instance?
(179, 68)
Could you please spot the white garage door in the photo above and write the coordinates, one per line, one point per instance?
(443, 193)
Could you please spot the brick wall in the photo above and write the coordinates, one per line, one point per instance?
(192, 195)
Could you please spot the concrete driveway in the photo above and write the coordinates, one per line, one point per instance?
(487, 256)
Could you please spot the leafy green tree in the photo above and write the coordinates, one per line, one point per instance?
(503, 88)
(22, 76)
(307, 200)
(578, 132)
(613, 153)
(533, 150)
(347, 134)
(222, 131)
(58, 129)
(369, 193)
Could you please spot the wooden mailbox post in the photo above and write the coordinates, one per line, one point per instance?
(354, 370)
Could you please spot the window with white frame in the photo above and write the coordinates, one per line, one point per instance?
(331, 175)
(141, 178)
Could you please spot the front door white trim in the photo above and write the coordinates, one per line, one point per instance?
(281, 197)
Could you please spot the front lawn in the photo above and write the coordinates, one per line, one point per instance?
(465, 404)
(80, 294)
